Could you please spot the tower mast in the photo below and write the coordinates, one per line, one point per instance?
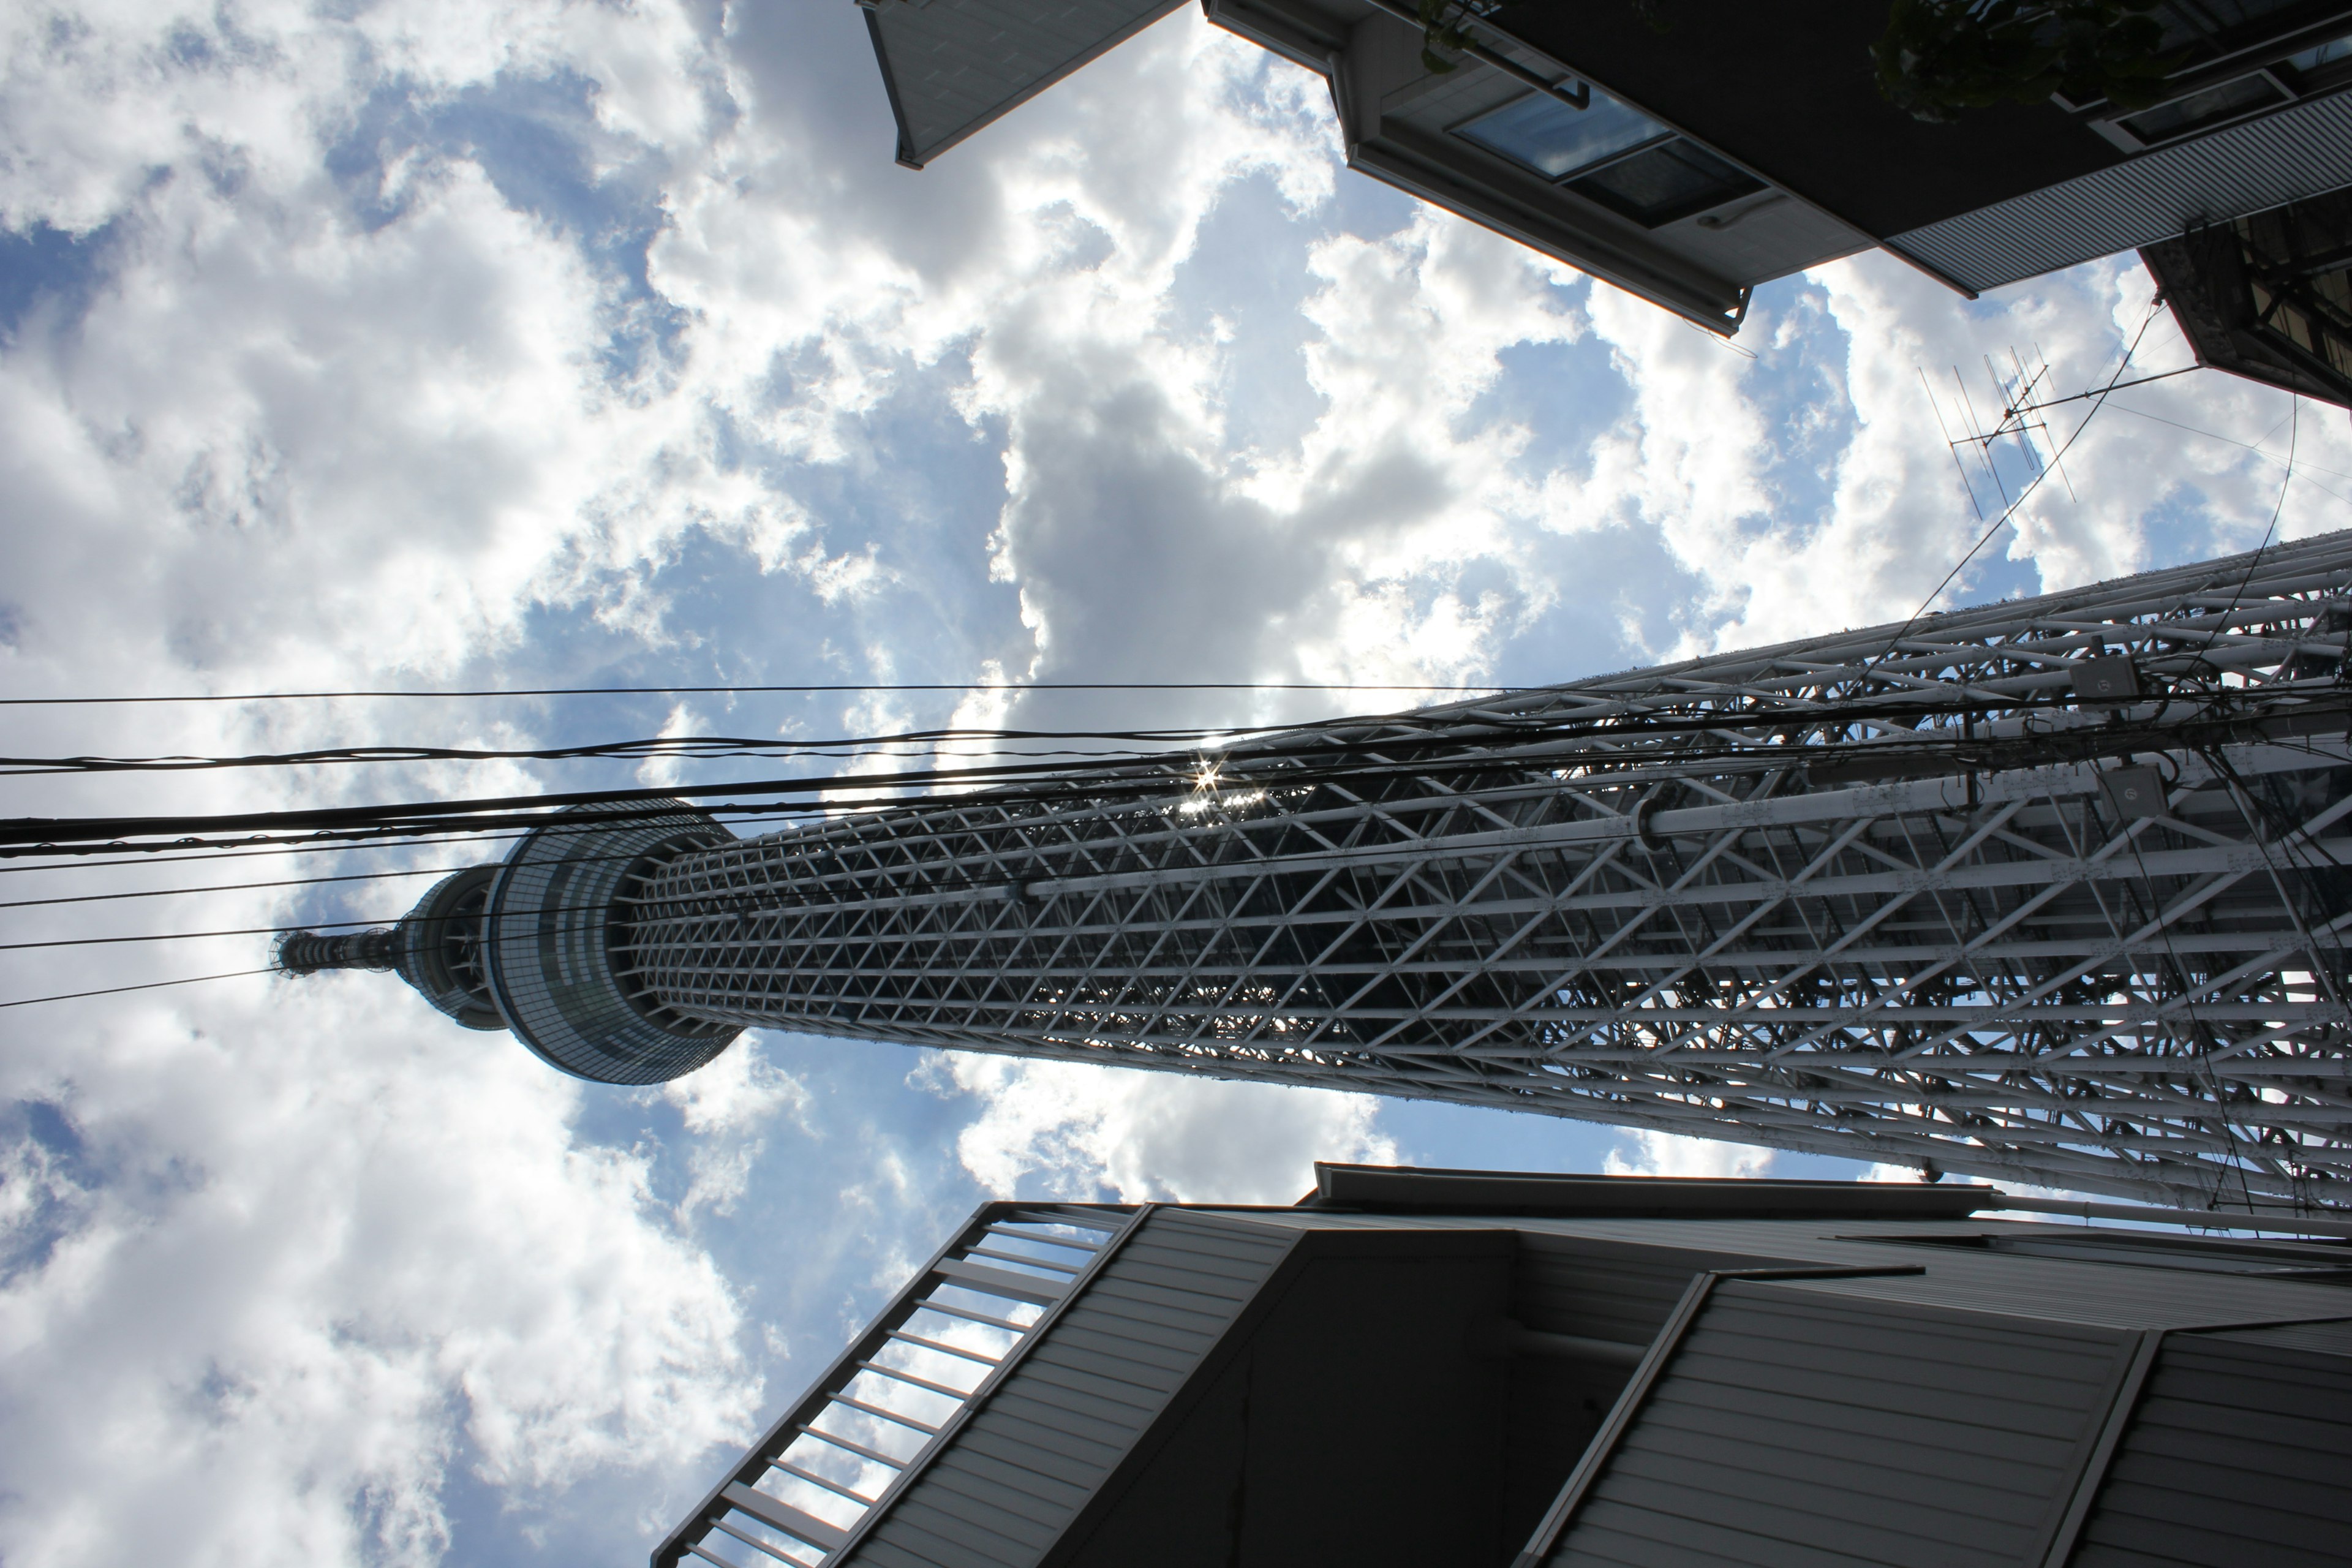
(2051, 890)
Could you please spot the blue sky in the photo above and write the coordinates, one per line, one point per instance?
(526, 345)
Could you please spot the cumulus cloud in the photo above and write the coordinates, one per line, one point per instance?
(726, 1108)
(1074, 1130)
(535, 343)
(283, 1287)
(1647, 1153)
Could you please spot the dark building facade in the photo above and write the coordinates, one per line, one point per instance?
(1689, 151)
(1481, 1369)
(2268, 297)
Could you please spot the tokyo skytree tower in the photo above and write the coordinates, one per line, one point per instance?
(2053, 889)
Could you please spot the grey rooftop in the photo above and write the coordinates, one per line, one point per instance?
(1608, 1371)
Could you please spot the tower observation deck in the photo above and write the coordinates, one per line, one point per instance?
(2053, 889)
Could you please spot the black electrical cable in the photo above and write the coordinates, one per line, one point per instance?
(717, 747)
(149, 985)
(681, 748)
(1311, 755)
(2043, 472)
(1016, 785)
(2294, 437)
(923, 742)
(759, 691)
(187, 935)
(744, 901)
(252, 930)
(163, 856)
(228, 887)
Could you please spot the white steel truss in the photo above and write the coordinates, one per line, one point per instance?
(2053, 889)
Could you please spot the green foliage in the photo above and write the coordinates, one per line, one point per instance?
(1440, 28)
(1938, 57)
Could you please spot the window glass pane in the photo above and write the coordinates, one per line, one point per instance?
(2199, 107)
(1552, 138)
(1662, 184)
(2202, 21)
(2327, 54)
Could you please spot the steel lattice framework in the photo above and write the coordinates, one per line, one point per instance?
(2053, 889)
(1947, 895)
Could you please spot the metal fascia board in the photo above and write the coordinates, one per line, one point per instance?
(1276, 32)
(891, 86)
(1417, 173)
(756, 1458)
(2300, 150)
(1484, 1192)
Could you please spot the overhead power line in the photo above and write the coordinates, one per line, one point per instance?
(687, 748)
(1147, 775)
(2056, 458)
(1315, 757)
(225, 887)
(119, 990)
(818, 689)
(86, 857)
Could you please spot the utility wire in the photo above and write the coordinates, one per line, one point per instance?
(162, 857)
(680, 748)
(119, 990)
(756, 690)
(2294, 437)
(2308, 468)
(1325, 759)
(227, 886)
(1326, 755)
(254, 930)
(2034, 483)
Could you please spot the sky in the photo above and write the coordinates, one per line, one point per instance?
(419, 345)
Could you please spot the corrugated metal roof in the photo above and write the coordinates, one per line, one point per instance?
(2327, 1339)
(2239, 1453)
(2058, 1288)
(2302, 151)
(1024, 1463)
(1958, 1415)
(1607, 1290)
(953, 66)
(1791, 1426)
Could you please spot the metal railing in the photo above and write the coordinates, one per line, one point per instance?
(830, 1467)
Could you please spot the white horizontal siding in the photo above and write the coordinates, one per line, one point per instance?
(2299, 151)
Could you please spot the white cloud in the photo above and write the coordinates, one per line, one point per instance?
(1071, 1130)
(1646, 1153)
(310, 1244)
(360, 394)
(727, 1106)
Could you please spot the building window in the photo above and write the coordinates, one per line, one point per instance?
(2200, 110)
(1611, 154)
(2209, 27)
(1555, 140)
(2327, 54)
(2223, 35)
